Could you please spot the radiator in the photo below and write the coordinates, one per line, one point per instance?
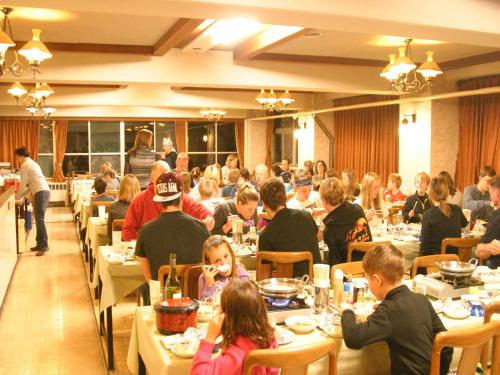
(58, 192)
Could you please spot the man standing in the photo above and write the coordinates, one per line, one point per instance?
(286, 173)
(477, 198)
(33, 183)
(489, 244)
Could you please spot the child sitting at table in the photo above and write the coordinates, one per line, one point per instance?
(393, 194)
(100, 194)
(405, 320)
(219, 267)
(244, 326)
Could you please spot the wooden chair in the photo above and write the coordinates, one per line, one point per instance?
(284, 261)
(363, 247)
(164, 270)
(114, 193)
(429, 261)
(471, 340)
(191, 277)
(352, 268)
(117, 224)
(293, 358)
(464, 246)
(491, 308)
(106, 204)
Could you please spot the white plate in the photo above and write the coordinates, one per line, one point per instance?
(301, 324)
(283, 336)
(455, 311)
(187, 350)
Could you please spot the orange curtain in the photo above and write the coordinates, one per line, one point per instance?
(239, 133)
(367, 139)
(180, 135)
(18, 133)
(60, 138)
(479, 130)
(269, 142)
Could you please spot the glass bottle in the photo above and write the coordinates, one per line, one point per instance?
(172, 285)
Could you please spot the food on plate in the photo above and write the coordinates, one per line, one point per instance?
(301, 324)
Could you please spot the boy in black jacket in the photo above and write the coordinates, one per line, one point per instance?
(405, 320)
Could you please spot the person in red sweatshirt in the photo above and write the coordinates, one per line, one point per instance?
(143, 209)
(244, 326)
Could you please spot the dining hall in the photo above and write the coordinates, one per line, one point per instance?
(198, 187)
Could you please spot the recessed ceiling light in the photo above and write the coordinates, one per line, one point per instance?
(229, 31)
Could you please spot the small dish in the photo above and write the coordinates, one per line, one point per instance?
(456, 311)
(283, 336)
(301, 324)
(185, 350)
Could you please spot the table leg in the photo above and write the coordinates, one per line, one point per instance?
(101, 313)
(91, 262)
(142, 366)
(109, 333)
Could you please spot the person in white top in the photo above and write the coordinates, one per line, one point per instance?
(305, 197)
(33, 183)
(206, 189)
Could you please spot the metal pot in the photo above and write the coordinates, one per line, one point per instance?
(282, 287)
(457, 269)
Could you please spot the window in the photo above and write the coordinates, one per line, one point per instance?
(210, 143)
(45, 148)
(285, 144)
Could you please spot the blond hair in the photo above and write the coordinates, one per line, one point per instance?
(438, 193)
(206, 188)
(396, 178)
(129, 188)
(143, 138)
(331, 191)
(186, 181)
(214, 172)
(424, 177)
(367, 201)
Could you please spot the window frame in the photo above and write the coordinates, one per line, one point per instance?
(216, 147)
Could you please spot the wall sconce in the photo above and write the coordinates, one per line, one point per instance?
(413, 119)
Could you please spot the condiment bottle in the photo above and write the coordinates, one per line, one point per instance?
(338, 287)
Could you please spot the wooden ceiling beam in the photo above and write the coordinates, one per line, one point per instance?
(270, 38)
(183, 31)
(228, 89)
(471, 60)
(99, 48)
(77, 85)
(320, 59)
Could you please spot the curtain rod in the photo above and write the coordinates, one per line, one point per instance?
(457, 94)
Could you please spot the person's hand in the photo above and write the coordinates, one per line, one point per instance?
(209, 272)
(229, 225)
(214, 328)
(411, 214)
(209, 222)
(344, 306)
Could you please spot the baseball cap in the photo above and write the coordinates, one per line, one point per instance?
(168, 187)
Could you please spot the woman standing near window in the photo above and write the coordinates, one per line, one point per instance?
(140, 158)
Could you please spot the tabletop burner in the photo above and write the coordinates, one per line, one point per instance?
(279, 304)
(458, 282)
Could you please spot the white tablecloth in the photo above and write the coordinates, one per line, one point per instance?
(372, 359)
(118, 280)
(97, 234)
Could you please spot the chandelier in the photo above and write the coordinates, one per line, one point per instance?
(214, 115)
(34, 51)
(270, 101)
(34, 98)
(401, 71)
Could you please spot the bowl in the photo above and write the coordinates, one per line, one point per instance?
(185, 350)
(301, 324)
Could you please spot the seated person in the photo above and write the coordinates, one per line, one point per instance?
(305, 197)
(477, 198)
(489, 244)
(455, 196)
(417, 203)
(243, 207)
(231, 163)
(206, 189)
(233, 177)
(276, 170)
(112, 183)
(351, 185)
(100, 194)
(393, 194)
(405, 320)
(286, 174)
(186, 181)
(441, 221)
(171, 232)
(129, 188)
(344, 223)
(218, 253)
(289, 229)
(370, 199)
(320, 170)
(143, 209)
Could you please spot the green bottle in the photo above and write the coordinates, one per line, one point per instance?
(172, 286)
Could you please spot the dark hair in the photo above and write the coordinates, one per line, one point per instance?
(245, 174)
(213, 242)
(196, 172)
(287, 160)
(143, 138)
(100, 185)
(22, 151)
(487, 170)
(245, 315)
(109, 173)
(176, 202)
(276, 169)
(233, 176)
(386, 260)
(273, 193)
(438, 193)
(316, 166)
(495, 183)
(449, 181)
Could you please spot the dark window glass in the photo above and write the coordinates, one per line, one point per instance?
(201, 137)
(201, 160)
(78, 138)
(284, 140)
(45, 145)
(78, 164)
(226, 140)
(131, 130)
(97, 160)
(165, 130)
(46, 163)
(105, 136)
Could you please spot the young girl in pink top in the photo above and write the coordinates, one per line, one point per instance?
(244, 326)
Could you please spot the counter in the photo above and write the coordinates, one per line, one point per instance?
(8, 243)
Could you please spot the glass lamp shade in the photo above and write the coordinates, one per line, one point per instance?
(429, 69)
(48, 110)
(44, 90)
(286, 98)
(272, 98)
(17, 90)
(262, 97)
(32, 110)
(5, 42)
(403, 64)
(35, 51)
(387, 73)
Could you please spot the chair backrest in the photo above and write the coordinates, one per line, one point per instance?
(471, 340)
(114, 193)
(164, 270)
(106, 204)
(363, 247)
(429, 261)
(464, 246)
(117, 224)
(284, 261)
(296, 358)
(352, 268)
(491, 308)
(191, 276)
